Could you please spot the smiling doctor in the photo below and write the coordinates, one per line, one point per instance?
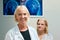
(22, 31)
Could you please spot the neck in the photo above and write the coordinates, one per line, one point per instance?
(22, 27)
(41, 33)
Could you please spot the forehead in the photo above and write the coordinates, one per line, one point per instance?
(22, 10)
(41, 21)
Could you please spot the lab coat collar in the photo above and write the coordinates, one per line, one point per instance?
(18, 33)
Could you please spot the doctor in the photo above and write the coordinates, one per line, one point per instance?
(22, 31)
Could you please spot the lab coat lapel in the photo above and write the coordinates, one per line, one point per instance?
(18, 34)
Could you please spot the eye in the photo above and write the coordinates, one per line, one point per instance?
(42, 24)
(19, 14)
(24, 13)
(38, 23)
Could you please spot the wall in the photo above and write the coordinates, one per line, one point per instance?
(51, 11)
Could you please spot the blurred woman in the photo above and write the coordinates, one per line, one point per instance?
(42, 30)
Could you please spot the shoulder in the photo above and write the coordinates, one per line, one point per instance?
(11, 31)
(9, 34)
(50, 36)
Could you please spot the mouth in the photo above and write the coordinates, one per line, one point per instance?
(22, 20)
(39, 27)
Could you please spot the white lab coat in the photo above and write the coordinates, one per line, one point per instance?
(47, 37)
(14, 34)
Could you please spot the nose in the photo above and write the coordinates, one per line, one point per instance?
(22, 16)
(40, 25)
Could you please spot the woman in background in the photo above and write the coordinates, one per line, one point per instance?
(42, 30)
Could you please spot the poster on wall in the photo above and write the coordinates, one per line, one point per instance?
(34, 6)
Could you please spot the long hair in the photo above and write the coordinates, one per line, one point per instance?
(46, 23)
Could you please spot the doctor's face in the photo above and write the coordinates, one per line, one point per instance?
(22, 16)
(41, 25)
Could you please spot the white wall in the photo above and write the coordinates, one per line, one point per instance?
(51, 11)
